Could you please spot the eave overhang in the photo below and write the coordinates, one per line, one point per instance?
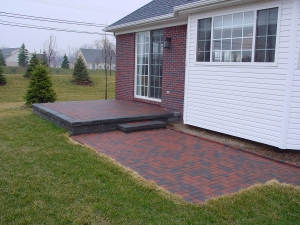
(179, 15)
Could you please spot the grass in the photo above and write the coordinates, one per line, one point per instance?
(66, 91)
(21, 70)
(45, 178)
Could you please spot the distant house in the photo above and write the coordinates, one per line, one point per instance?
(71, 64)
(39, 56)
(11, 56)
(231, 66)
(93, 59)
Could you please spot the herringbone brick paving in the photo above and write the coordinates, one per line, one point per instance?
(189, 166)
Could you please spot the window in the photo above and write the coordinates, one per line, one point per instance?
(142, 67)
(266, 35)
(149, 64)
(238, 37)
(204, 40)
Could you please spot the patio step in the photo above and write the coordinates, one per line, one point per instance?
(141, 125)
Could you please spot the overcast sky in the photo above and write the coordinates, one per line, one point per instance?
(89, 11)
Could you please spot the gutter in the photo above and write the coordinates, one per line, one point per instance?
(205, 4)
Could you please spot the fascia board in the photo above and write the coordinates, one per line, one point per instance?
(152, 26)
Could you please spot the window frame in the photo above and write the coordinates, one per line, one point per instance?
(136, 67)
(238, 9)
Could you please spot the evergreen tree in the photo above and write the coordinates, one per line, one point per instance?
(2, 77)
(80, 73)
(23, 56)
(40, 87)
(2, 59)
(34, 61)
(65, 62)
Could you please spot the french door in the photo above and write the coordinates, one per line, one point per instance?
(149, 52)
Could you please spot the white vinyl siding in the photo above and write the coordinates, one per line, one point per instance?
(293, 136)
(245, 100)
(13, 59)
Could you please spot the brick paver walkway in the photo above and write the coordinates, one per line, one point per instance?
(189, 166)
(89, 110)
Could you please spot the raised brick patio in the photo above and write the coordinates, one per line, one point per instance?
(81, 117)
(189, 166)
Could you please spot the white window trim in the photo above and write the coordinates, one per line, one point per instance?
(135, 71)
(147, 98)
(224, 12)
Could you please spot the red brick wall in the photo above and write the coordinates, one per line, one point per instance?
(125, 66)
(173, 69)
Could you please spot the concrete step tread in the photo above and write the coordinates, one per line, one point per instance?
(141, 125)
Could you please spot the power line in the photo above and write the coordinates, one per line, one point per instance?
(68, 5)
(8, 23)
(27, 17)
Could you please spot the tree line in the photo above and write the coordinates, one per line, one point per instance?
(36, 71)
(60, 59)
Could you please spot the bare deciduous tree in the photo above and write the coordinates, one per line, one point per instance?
(104, 45)
(58, 58)
(97, 61)
(72, 53)
(88, 46)
(111, 56)
(50, 49)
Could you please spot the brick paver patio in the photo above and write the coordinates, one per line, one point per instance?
(106, 109)
(189, 166)
(84, 117)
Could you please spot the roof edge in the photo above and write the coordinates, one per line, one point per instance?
(207, 3)
(196, 4)
(176, 9)
(139, 22)
(189, 6)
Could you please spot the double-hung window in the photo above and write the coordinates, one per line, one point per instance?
(149, 52)
(239, 37)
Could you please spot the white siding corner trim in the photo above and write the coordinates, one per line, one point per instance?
(290, 75)
(293, 129)
(186, 85)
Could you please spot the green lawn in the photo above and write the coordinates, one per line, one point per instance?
(45, 178)
(66, 91)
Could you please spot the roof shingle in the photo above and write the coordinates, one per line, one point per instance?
(8, 51)
(152, 9)
(93, 55)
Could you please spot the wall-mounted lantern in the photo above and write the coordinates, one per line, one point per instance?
(167, 42)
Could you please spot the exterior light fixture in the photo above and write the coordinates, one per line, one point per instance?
(167, 42)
